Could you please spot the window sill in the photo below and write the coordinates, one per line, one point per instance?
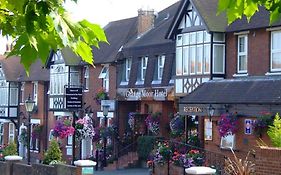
(139, 83)
(86, 90)
(34, 151)
(240, 75)
(273, 73)
(156, 82)
(22, 103)
(123, 83)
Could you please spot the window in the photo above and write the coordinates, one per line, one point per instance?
(74, 76)
(3, 93)
(143, 67)
(161, 61)
(218, 56)
(276, 51)
(193, 56)
(228, 142)
(128, 65)
(13, 94)
(22, 92)
(35, 92)
(11, 133)
(242, 54)
(208, 129)
(86, 78)
(58, 79)
(1, 133)
(34, 141)
(104, 75)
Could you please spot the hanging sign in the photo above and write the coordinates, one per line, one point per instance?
(73, 98)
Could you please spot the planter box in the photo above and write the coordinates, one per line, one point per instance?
(163, 170)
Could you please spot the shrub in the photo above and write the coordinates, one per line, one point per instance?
(145, 146)
(274, 132)
(11, 149)
(53, 153)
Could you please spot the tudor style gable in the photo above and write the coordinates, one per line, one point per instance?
(200, 48)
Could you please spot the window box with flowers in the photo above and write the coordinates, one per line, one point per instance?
(63, 129)
(101, 95)
(227, 127)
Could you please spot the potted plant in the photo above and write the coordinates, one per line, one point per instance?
(63, 129)
(36, 131)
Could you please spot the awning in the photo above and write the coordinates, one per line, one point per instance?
(250, 91)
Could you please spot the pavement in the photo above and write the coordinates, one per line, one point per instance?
(133, 171)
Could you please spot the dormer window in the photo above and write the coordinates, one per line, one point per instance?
(143, 67)
(126, 71)
(104, 75)
(161, 61)
(191, 19)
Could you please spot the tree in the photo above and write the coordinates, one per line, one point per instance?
(53, 153)
(39, 26)
(235, 9)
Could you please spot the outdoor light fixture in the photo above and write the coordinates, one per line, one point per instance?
(29, 106)
(105, 109)
(210, 111)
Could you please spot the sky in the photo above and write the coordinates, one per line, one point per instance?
(103, 11)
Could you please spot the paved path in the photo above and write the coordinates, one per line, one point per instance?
(134, 171)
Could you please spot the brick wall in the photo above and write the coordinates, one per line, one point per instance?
(258, 53)
(268, 161)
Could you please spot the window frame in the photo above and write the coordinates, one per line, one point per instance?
(161, 64)
(2, 133)
(86, 78)
(128, 66)
(11, 133)
(144, 61)
(35, 92)
(245, 53)
(272, 51)
(22, 100)
(223, 63)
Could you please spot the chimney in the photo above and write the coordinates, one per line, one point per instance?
(145, 20)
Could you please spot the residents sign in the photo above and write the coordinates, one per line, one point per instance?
(73, 98)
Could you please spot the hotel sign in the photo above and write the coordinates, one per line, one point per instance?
(73, 98)
(146, 93)
(192, 109)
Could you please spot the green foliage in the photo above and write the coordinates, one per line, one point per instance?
(145, 146)
(53, 153)
(274, 132)
(235, 9)
(39, 26)
(11, 149)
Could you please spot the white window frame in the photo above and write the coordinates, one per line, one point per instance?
(103, 72)
(179, 61)
(1, 133)
(128, 64)
(205, 58)
(58, 79)
(272, 51)
(22, 93)
(104, 75)
(144, 61)
(86, 78)
(199, 59)
(223, 59)
(35, 92)
(245, 53)
(161, 63)
(228, 142)
(11, 133)
(37, 141)
(185, 60)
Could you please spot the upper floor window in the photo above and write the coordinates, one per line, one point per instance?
(22, 100)
(1, 133)
(13, 94)
(276, 51)
(58, 79)
(34, 141)
(193, 53)
(104, 75)
(86, 78)
(161, 62)
(74, 76)
(35, 92)
(242, 54)
(57, 56)
(128, 65)
(11, 133)
(2, 76)
(4, 93)
(143, 67)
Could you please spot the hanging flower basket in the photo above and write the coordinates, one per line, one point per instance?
(152, 123)
(63, 129)
(85, 129)
(101, 95)
(260, 125)
(228, 124)
(23, 137)
(36, 131)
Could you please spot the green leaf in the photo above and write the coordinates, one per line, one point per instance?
(274, 16)
(250, 9)
(28, 56)
(223, 5)
(85, 51)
